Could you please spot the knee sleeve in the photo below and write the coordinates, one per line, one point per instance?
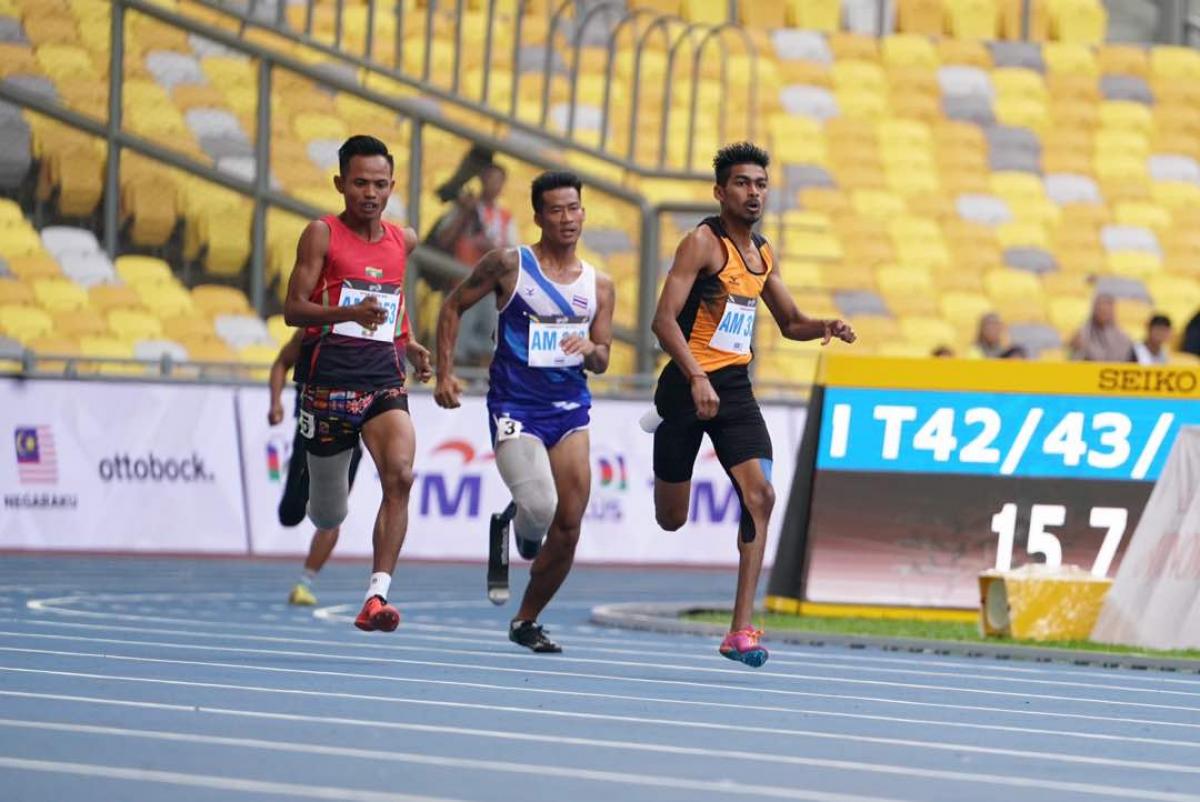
(525, 467)
(328, 489)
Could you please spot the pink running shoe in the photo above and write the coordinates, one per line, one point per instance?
(742, 645)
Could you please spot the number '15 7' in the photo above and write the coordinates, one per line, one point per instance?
(1112, 520)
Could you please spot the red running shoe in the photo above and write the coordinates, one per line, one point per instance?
(376, 614)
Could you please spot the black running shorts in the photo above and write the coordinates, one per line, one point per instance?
(738, 432)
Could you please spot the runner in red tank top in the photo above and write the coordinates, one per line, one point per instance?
(347, 290)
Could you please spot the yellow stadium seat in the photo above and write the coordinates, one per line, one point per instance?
(1126, 115)
(165, 300)
(873, 329)
(1074, 118)
(16, 293)
(1068, 58)
(964, 52)
(310, 126)
(107, 348)
(1016, 187)
(920, 17)
(106, 297)
(34, 267)
(962, 309)
(185, 328)
(1022, 234)
(65, 61)
(209, 350)
(1176, 194)
(1019, 82)
(1115, 59)
(136, 269)
(1008, 284)
(1078, 21)
(215, 299)
(854, 75)
(929, 332)
(1022, 112)
(972, 19)
(894, 281)
(1076, 285)
(58, 294)
(131, 325)
(877, 204)
(1121, 168)
(817, 15)
(852, 46)
(1175, 63)
(53, 345)
(24, 323)
(1144, 215)
(908, 50)
(1133, 264)
(1167, 290)
(19, 241)
(824, 199)
(76, 323)
(709, 12)
(815, 245)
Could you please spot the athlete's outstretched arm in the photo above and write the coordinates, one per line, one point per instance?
(694, 253)
(485, 278)
(298, 310)
(598, 344)
(284, 361)
(794, 324)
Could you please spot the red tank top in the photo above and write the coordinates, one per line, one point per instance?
(332, 359)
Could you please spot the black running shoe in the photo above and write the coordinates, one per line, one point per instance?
(531, 635)
(497, 574)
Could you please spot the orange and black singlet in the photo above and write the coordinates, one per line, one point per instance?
(718, 317)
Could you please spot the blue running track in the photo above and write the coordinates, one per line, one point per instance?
(178, 679)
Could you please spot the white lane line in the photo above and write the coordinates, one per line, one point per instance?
(508, 654)
(492, 669)
(44, 605)
(559, 659)
(210, 781)
(721, 755)
(674, 642)
(702, 704)
(936, 746)
(524, 688)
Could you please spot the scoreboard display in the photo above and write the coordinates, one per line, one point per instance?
(915, 475)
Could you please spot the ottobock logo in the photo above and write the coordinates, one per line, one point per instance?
(456, 492)
(37, 468)
(124, 467)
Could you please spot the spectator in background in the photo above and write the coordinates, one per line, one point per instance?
(1154, 350)
(943, 352)
(991, 340)
(472, 227)
(1191, 336)
(1100, 339)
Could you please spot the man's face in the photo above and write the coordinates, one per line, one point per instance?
(561, 218)
(367, 184)
(744, 195)
(492, 180)
(1158, 336)
(1105, 312)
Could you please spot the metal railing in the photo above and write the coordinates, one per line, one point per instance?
(586, 17)
(118, 139)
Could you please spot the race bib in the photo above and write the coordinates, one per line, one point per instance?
(389, 297)
(546, 334)
(736, 329)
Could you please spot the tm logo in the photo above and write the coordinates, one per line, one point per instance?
(449, 494)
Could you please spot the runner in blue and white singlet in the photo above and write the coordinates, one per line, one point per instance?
(536, 388)
(555, 324)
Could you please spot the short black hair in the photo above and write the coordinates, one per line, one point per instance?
(1160, 320)
(554, 179)
(362, 145)
(731, 156)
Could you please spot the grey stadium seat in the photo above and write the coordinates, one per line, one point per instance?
(1129, 238)
(986, 209)
(1032, 260)
(797, 45)
(1064, 188)
(814, 102)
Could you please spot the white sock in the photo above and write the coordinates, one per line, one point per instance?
(379, 585)
(307, 577)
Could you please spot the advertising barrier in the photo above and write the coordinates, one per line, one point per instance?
(457, 487)
(120, 467)
(916, 475)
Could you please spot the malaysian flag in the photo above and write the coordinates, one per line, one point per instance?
(37, 461)
(579, 300)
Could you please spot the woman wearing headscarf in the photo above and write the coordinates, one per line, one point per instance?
(1100, 339)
